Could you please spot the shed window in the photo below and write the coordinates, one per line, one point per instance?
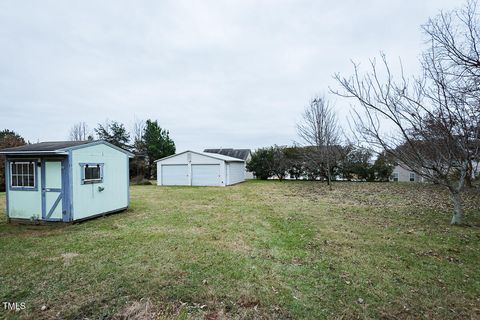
(92, 173)
(22, 175)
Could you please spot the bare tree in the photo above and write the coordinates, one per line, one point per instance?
(79, 132)
(138, 165)
(454, 38)
(320, 132)
(429, 124)
(138, 131)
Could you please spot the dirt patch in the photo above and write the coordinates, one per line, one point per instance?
(238, 244)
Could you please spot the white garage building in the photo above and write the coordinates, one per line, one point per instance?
(190, 168)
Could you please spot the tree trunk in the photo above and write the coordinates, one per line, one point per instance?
(468, 177)
(455, 193)
(328, 177)
(457, 207)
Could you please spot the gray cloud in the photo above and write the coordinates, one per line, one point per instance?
(215, 73)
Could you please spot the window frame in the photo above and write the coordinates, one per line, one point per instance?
(395, 175)
(83, 166)
(412, 179)
(10, 175)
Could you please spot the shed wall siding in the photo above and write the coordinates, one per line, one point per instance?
(87, 199)
(25, 204)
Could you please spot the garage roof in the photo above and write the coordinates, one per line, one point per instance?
(230, 152)
(206, 154)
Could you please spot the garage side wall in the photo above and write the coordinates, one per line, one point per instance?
(236, 172)
(89, 199)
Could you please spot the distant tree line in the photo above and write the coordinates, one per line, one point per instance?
(148, 141)
(347, 163)
(321, 154)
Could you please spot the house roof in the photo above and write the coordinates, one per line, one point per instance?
(230, 152)
(56, 147)
(206, 154)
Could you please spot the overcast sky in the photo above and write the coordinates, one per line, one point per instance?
(214, 73)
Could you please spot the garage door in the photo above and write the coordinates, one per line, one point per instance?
(206, 175)
(175, 175)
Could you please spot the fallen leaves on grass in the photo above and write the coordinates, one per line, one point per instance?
(414, 196)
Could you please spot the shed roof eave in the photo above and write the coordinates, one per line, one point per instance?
(32, 153)
(59, 147)
(94, 143)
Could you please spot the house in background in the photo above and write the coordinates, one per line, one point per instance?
(403, 174)
(66, 180)
(476, 169)
(190, 168)
(243, 154)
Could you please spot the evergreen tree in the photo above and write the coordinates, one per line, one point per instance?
(383, 167)
(115, 133)
(8, 139)
(261, 163)
(156, 144)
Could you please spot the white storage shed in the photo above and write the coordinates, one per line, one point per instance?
(190, 168)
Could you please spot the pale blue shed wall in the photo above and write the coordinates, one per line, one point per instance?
(87, 200)
(24, 204)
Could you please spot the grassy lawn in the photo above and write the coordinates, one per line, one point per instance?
(255, 250)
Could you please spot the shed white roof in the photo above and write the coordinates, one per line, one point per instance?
(206, 154)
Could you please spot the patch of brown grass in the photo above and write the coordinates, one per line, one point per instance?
(138, 310)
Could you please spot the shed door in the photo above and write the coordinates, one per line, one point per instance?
(52, 207)
(175, 175)
(206, 175)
